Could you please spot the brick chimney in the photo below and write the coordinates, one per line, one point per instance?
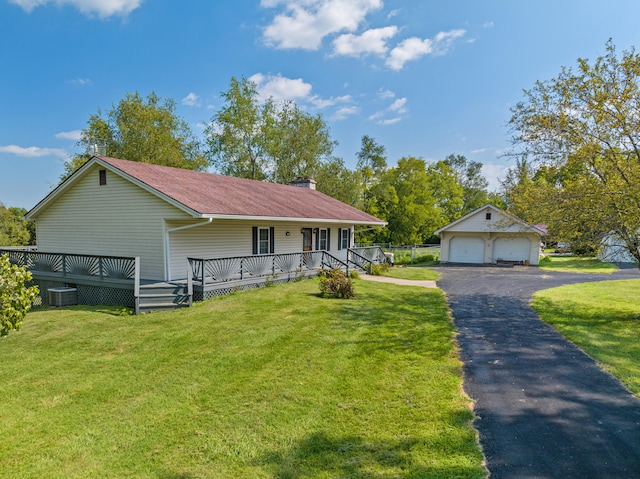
(304, 182)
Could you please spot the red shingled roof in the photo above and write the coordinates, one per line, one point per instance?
(211, 194)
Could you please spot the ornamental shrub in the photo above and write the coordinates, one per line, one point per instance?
(15, 297)
(379, 269)
(335, 283)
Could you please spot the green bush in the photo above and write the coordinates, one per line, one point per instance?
(379, 269)
(335, 283)
(15, 297)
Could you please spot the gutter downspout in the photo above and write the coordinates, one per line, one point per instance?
(168, 243)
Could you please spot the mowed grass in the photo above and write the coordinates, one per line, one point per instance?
(412, 272)
(603, 319)
(270, 383)
(577, 264)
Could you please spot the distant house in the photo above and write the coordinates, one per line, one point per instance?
(613, 249)
(165, 215)
(489, 235)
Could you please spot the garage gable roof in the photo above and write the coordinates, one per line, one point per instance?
(206, 195)
(502, 221)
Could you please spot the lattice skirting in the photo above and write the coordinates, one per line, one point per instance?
(89, 295)
(199, 295)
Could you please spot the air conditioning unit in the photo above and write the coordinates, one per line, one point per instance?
(62, 296)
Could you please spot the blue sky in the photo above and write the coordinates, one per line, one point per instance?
(424, 78)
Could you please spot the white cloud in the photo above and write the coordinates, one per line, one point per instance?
(305, 23)
(323, 103)
(345, 112)
(390, 121)
(280, 88)
(101, 8)
(386, 94)
(494, 173)
(191, 100)
(396, 108)
(414, 48)
(32, 151)
(74, 135)
(371, 41)
(398, 105)
(80, 81)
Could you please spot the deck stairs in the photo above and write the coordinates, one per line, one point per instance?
(163, 296)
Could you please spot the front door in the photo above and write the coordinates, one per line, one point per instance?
(307, 239)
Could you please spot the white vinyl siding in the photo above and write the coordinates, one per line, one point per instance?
(115, 219)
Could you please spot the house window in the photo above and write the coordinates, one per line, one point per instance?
(344, 238)
(102, 175)
(322, 239)
(487, 216)
(263, 240)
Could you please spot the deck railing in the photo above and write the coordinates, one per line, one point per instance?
(99, 267)
(239, 268)
(110, 271)
(365, 257)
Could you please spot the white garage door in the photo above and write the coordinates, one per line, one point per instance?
(466, 250)
(511, 249)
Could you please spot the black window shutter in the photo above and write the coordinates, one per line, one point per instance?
(328, 239)
(349, 239)
(317, 239)
(272, 240)
(339, 239)
(255, 240)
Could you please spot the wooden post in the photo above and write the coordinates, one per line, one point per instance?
(136, 284)
(190, 284)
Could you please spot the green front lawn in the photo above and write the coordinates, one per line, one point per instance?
(412, 272)
(576, 264)
(268, 383)
(603, 319)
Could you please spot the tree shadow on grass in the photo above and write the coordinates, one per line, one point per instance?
(325, 455)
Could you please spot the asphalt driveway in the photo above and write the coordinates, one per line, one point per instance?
(544, 409)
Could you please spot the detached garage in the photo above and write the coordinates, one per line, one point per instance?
(489, 235)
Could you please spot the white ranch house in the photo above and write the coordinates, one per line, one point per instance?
(489, 235)
(162, 216)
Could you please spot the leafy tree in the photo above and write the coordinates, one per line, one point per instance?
(336, 180)
(585, 123)
(15, 297)
(404, 199)
(298, 143)
(370, 169)
(372, 160)
(447, 192)
(14, 229)
(264, 140)
(138, 129)
(474, 184)
(237, 133)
